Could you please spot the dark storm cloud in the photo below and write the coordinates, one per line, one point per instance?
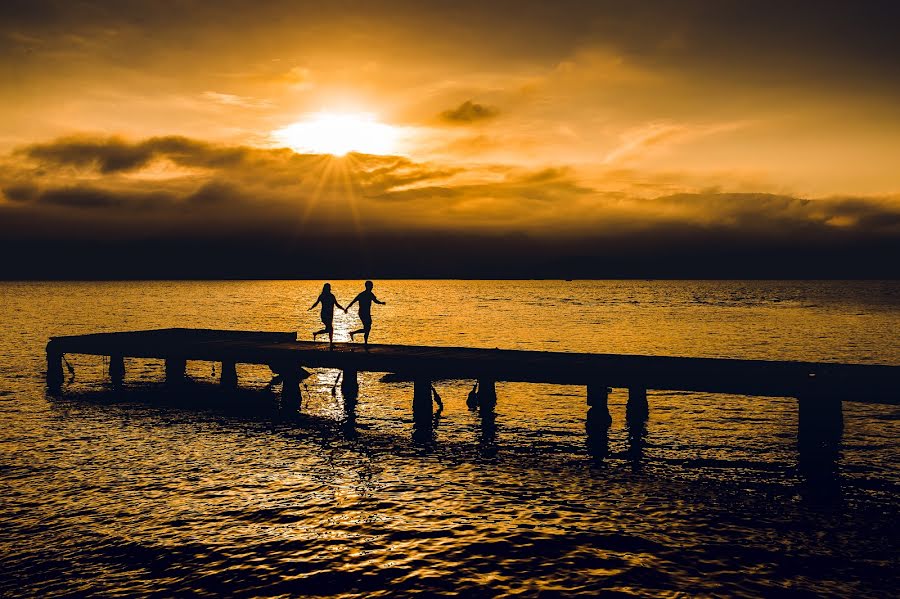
(773, 215)
(274, 208)
(259, 177)
(109, 155)
(469, 112)
(113, 154)
(20, 192)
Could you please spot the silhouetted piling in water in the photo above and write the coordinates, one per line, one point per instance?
(820, 388)
(229, 379)
(116, 370)
(54, 370)
(422, 414)
(820, 430)
(598, 413)
(598, 442)
(820, 419)
(637, 409)
(175, 371)
(487, 394)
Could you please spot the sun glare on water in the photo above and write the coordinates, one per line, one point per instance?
(339, 133)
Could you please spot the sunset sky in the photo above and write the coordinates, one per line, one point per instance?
(231, 138)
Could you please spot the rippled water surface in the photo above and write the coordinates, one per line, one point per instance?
(140, 492)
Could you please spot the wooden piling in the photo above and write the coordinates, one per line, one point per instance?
(820, 420)
(54, 370)
(116, 370)
(820, 428)
(290, 389)
(487, 394)
(598, 400)
(422, 400)
(637, 409)
(229, 378)
(175, 370)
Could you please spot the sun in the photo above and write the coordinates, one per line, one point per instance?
(337, 133)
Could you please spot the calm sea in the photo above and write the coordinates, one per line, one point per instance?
(115, 493)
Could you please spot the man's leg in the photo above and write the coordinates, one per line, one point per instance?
(367, 328)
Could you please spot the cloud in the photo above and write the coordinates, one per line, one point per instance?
(89, 198)
(20, 192)
(639, 141)
(276, 202)
(235, 100)
(469, 112)
(111, 155)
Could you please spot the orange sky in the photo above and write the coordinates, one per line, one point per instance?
(570, 119)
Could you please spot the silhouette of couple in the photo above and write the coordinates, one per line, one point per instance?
(328, 303)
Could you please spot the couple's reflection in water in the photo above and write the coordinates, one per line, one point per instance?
(348, 424)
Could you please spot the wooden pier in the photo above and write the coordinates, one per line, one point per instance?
(819, 387)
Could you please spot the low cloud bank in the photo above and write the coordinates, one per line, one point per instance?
(179, 207)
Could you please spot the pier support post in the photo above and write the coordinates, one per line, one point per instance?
(350, 383)
(422, 415)
(54, 370)
(598, 400)
(422, 400)
(290, 389)
(229, 375)
(820, 427)
(637, 409)
(175, 368)
(487, 394)
(598, 421)
(116, 370)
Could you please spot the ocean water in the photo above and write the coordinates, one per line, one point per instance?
(138, 492)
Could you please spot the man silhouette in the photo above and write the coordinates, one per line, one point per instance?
(365, 299)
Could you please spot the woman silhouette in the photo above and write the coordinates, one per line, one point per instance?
(328, 301)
